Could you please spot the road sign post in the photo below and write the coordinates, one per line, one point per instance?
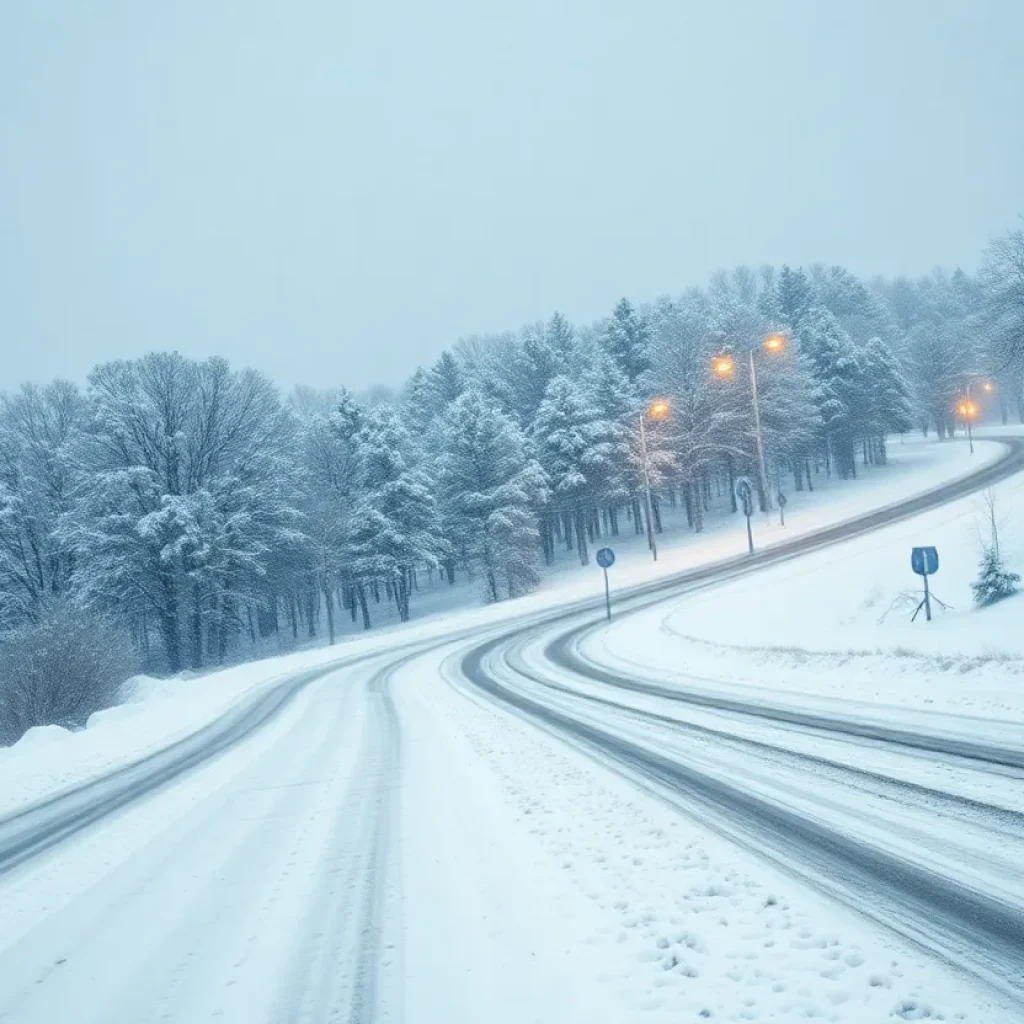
(745, 494)
(925, 562)
(782, 509)
(606, 559)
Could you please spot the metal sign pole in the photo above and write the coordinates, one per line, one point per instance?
(606, 559)
(925, 562)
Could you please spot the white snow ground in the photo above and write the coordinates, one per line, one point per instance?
(392, 846)
(837, 623)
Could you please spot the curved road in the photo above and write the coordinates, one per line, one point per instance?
(304, 922)
(539, 673)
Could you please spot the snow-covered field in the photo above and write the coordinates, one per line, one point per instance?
(395, 844)
(837, 623)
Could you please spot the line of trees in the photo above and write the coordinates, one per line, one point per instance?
(187, 504)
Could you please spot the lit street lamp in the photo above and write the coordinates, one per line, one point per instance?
(723, 366)
(967, 408)
(657, 410)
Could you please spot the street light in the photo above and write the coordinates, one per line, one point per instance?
(723, 366)
(658, 409)
(967, 409)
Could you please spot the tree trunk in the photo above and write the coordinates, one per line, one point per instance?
(688, 504)
(698, 516)
(329, 603)
(310, 603)
(172, 643)
(363, 606)
(401, 586)
(196, 631)
(222, 630)
(581, 537)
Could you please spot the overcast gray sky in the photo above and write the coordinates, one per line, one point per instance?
(334, 191)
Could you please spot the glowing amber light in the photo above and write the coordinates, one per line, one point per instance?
(775, 343)
(723, 366)
(988, 385)
(658, 410)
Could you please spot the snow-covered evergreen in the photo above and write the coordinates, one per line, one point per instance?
(995, 581)
(491, 489)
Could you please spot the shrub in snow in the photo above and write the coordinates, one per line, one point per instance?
(59, 671)
(994, 580)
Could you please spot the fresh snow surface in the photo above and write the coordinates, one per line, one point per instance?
(836, 624)
(511, 879)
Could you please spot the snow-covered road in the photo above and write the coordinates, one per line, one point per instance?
(497, 827)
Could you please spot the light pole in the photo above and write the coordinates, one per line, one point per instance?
(969, 410)
(723, 366)
(657, 410)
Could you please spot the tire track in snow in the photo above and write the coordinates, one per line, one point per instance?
(994, 817)
(973, 930)
(336, 971)
(189, 948)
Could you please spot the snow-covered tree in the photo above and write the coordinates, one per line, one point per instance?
(888, 396)
(838, 374)
(490, 487)
(38, 428)
(995, 581)
(572, 446)
(188, 486)
(627, 338)
(397, 524)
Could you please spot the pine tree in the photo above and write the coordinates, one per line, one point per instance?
(490, 486)
(561, 340)
(841, 390)
(888, 394)
(572, 447)
(613, 400)
(794, 297)
(995, 581)
(445, 382)
(397, 525)
(627, 339)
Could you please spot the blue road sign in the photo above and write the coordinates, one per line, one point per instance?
(605, 558)
(924, 561)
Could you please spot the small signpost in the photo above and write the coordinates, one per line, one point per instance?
(745, 495)
(782, 509)
(925, 562)
(606, 559)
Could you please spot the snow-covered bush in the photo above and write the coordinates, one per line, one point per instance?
(59, 671)
(994, 580)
